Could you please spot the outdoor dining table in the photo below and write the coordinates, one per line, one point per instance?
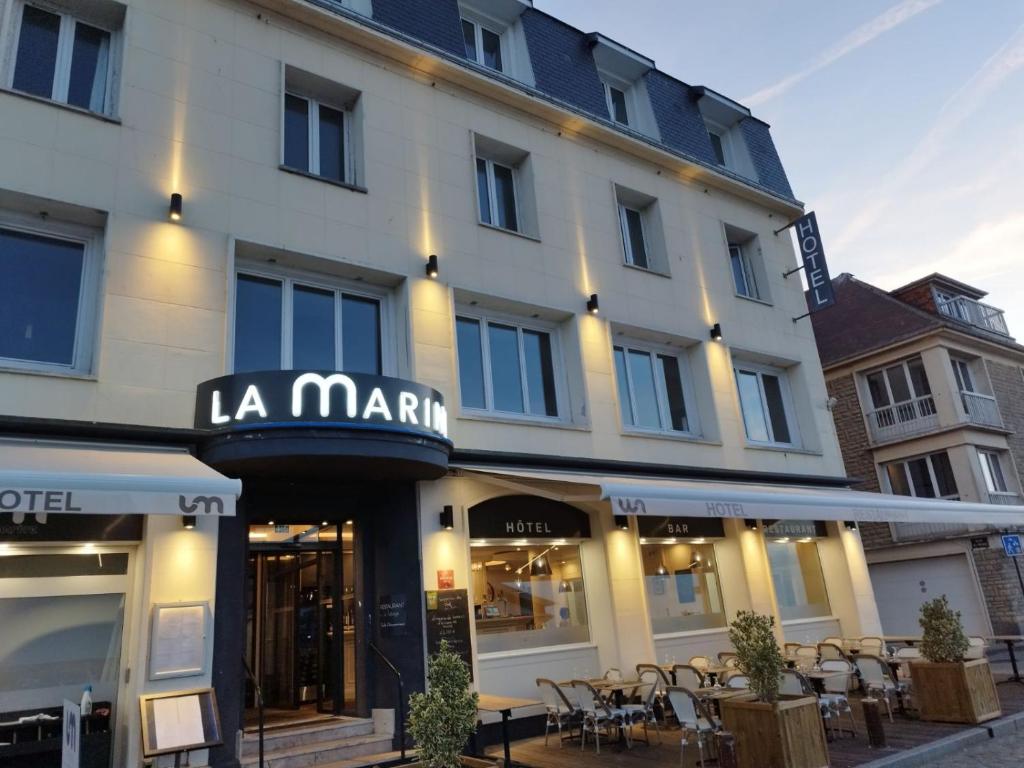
(1011, 641)
(504, 705)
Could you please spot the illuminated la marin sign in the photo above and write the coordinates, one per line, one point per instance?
(268, 399)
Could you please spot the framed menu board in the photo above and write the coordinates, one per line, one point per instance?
(178, 640)
(179, 721)
(448, 619)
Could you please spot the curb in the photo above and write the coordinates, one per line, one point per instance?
(926, 753)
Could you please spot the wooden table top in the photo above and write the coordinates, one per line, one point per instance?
(490, 703)
(1008, 638)
(720, 693)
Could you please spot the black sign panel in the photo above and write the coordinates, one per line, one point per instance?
(669, 527)
(448, 619)
(392, 615)
(979, 542)
(527, 517)
(28, 526)
(819, 284)
(797, 529)
(268, 399)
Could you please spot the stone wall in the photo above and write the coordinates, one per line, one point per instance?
(1002, 589)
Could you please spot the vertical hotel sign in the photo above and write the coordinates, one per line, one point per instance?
(819, 284)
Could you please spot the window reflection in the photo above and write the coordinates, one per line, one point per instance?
(798, 580)
(683, 591)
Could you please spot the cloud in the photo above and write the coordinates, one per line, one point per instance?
(860, 37)
(954, 112)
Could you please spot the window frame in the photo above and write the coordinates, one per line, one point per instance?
(610, 103)
(725, 139)
(289, 277)
(87, 317)
(313, 137)
(991, 469)
(492, 193)
(908, 378)
(479, 24)
(557, 365)
(65, 50)
(788, 404)
(933, 478)
(627, 242)
(749, 276)
(964, 376)
(681, 356)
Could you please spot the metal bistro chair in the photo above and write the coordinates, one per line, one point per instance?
(837, 690)
(873, 646)
(724, 656)
(701, 663)
(596, 713)
(906, 656)
(657, 675)
(876, 676)
(694, 718)
(647, 691)
(560, 711)
(790, 649)
(687, 676)
(831, 651)
(834, 641)
(737, 680)
(806, 657)
(792, 683)
(614, 674)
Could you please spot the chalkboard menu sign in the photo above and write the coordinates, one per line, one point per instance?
(448, 619)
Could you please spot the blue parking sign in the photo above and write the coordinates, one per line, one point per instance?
(1012, 545)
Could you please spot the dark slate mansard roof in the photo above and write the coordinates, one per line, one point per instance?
(565, 72)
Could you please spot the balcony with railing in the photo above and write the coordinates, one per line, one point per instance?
(981, 409)
(974, 313)
(1005, 498)
(902, 420)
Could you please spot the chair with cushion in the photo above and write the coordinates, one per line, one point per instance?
(687, 676)
(837, 689)
(560, 711)
(792, 683)
(693, 718)
(737, 680)
(597, 715)
(644, 711)
(876, 677)
(724, 656)
(790, 649)
(652, 673)
(872, 646)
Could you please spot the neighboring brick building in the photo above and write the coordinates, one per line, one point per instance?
(928, 391)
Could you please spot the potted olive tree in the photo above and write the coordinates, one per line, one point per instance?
(772, 730)
(947, 688)
(442, 719)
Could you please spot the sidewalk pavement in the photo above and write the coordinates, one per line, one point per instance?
(1005, 752)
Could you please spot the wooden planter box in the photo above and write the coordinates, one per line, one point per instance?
(785, 734)
(957, 692)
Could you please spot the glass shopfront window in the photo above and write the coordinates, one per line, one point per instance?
(683, 589)
(797, 577)
(528, 595)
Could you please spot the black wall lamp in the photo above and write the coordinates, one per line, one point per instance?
(751, 524)
(851, 525)
(175, 210)
(622, 522)
(431, 269)
(188, 522)
(592, 306)
(716, 332)
(448, 517)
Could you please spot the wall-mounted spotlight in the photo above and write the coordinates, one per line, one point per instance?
(175, 210)
(448, 517)
(431, 269)
(622, 522)
(751, 524)
(592, 306)
(716, 332)
(188, 522)
(851, 525)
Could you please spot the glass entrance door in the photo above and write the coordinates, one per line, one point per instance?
(300, 628)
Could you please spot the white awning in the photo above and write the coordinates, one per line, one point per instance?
(695, 498)
(44, 477)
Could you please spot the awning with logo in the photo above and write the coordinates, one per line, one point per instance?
(39, 477)
(695, 498)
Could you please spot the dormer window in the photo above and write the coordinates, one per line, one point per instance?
(722, 120)
(719, 143)
(622, 73)
(616, 98)
(482, 45)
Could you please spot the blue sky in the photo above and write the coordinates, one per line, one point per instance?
(901, 122)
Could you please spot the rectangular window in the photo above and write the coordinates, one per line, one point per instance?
(962, 372)
(634, 241)
(291, 323)
(717, 146)
(616, 99)
(928, 477)
(528, 596)
(683, 587)
(482, 45)
(48, 287)
(765, 403)
(61, 58)
(496, 193)
(506, 368)
(742, 271)
(316, 138)
(651, 390)
(992, 469)
(797, 578)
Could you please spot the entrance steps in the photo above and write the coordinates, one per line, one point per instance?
(342, 742)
